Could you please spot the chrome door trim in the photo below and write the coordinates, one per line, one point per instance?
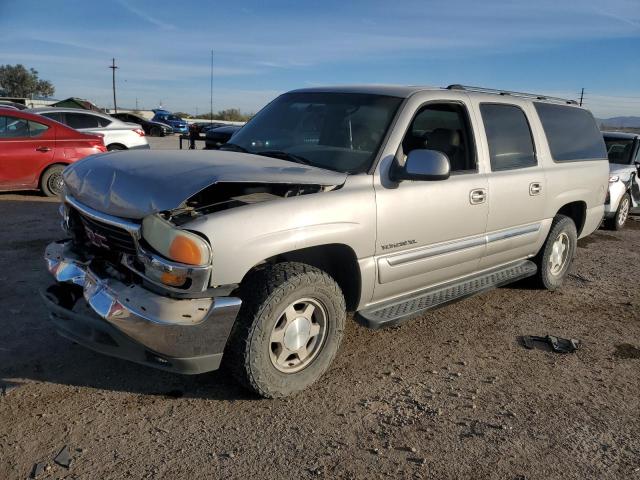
(512, 232)
(436, 250)
(455, 246)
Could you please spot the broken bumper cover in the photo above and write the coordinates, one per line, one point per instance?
(127, 321)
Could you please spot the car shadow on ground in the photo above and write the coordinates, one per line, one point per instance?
(75, 366)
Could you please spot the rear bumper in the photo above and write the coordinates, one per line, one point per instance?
(129, 322)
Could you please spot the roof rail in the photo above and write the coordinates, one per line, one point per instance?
(507, 92)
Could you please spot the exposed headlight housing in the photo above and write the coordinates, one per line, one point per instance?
(174, 243)
(613, 178)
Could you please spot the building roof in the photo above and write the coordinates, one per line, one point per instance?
(74, 102)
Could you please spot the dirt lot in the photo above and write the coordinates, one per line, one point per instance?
(451, 395)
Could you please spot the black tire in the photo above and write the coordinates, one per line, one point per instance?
(546, 277)
(115, 147)
(156, 132)
(266, 293)
(51, 181)
(622, 214)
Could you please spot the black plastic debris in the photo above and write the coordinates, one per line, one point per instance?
(63, 458)
(6, 388)
(557, 344)
(38, 469)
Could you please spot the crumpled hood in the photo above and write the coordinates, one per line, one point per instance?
(134, 184)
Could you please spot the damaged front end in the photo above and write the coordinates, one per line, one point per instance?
(109, 296)
(133, 281)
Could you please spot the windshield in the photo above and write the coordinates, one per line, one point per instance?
(174, 118)
(619, 150)
(336, 131)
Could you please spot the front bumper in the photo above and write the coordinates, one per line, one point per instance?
(127, 321)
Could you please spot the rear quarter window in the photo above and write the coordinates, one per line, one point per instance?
(572, 133)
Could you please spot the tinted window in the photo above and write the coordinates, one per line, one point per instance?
(443, 127)
(509, 137)
(571, 132)
(103, 122)
(57, 116)
(81, 120)
(619, 150)
(36, 129)
(13, 127)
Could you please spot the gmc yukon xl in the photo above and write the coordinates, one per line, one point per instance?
(380, 200)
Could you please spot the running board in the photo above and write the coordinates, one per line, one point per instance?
(398, 311)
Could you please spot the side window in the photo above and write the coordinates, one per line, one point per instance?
(13, 127)
(572, 133)
(81, 120)
(36, 129)
(444, 127)
(57, 116)
(509, 137)
(103, 122)
(638, 152)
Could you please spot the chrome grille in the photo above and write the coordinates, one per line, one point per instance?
(109, 237)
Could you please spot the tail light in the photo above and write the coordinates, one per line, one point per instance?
(139, 131)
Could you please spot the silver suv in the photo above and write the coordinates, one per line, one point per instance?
(380, 200)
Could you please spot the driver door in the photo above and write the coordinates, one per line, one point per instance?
(430, 232)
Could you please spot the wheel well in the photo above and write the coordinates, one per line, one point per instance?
(49, 167)
(338, 260)
(577, 211)
(119, 145)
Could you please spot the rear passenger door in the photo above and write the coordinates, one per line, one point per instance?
(517, 190)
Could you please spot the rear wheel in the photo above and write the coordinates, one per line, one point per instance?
(620, 218)
(115, 146)
(51, 182)
(556, 255)
(288, 330)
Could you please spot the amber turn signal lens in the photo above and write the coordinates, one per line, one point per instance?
(172, 279)
(185, 250)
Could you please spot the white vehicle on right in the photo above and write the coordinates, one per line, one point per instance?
(623, 197)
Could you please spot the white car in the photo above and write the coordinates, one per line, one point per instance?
(118, 135)
(623, 197)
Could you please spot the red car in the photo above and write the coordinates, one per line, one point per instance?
(34, 151)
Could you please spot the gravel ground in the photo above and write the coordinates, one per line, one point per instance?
(450, 395)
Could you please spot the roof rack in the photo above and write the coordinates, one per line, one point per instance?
(507, 92)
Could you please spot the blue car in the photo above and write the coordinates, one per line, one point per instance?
(168, 118)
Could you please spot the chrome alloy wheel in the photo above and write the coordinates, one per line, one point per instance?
(623, 213)
(56, 183)
(298, 335)
(559, 254)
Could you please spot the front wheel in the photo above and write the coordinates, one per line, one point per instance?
(288, 330)
(556, 255)
(622, 213)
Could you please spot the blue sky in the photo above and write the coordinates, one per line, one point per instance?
(264, 48)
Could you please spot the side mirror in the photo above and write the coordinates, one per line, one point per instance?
(424, 165)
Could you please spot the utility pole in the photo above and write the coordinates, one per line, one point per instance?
(113, 70)
(136, 104)
(581, 96)
(211, 91)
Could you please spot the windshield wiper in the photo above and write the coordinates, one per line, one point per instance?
(284, 156)
(233, 147)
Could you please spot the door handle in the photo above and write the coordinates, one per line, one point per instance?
(535, 188)
(477, 196)
(43, 149)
